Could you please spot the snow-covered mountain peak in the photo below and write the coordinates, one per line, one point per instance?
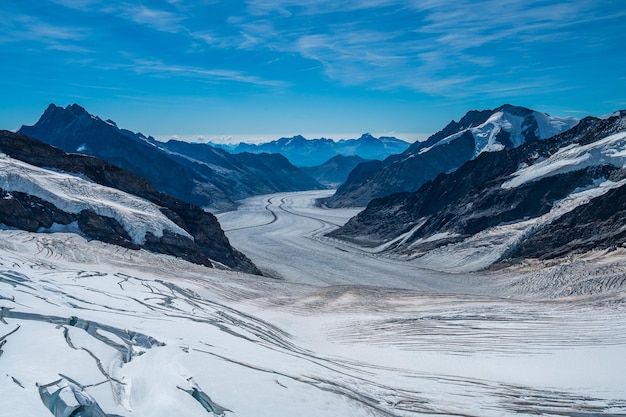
(509, 127)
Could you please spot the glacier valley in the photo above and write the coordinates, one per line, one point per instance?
(92, 329)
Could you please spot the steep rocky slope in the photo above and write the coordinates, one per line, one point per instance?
(335, 171)
(243, 174)
(542, 199)
(199, 174)
(45, 189)
(478, 132)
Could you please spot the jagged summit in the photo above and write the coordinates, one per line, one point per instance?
(196, 173)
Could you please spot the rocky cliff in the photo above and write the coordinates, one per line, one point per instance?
(45, 189)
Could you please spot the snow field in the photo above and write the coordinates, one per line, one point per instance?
(367, 336)
(485, 134)
(611, 150)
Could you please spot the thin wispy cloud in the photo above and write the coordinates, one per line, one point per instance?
(29, 28)
(208, 75)
(78, 4)
(277, 55)
(462, 37)
(154, 18)
(446, 42)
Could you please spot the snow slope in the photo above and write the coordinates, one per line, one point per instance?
(546, 199)
(478, 132)
(610, 150)
(73, 194)
(140, 334)
(489, 246)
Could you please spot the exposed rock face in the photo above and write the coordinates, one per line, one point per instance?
(557, 211)
(31, 213)
(196, 173)
(106, 229)
(596, 225)
(247, 174)
(335, 171)
(477, 132)
(304, 152)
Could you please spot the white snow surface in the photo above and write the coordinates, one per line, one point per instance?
(489, 246)
(549, 126)
(73, 194)
(357, 335)
(610, 150)
(485, 134)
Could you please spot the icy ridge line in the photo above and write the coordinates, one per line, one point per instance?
(610, 150)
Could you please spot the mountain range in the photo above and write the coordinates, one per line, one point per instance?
(304, 152)
(542, 199)
(498, 186)
(199, 174)
(44, 189)
(477, 132)
(335, 171)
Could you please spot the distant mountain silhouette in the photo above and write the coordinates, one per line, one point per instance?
(304, 152)
(335, 171)
(199, 174)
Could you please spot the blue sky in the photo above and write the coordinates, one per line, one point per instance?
(264, 69)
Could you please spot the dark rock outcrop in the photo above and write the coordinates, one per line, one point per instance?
(30, 213)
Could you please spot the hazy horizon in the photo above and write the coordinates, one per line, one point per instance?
(269, 137)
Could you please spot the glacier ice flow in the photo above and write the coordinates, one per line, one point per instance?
(365, 336)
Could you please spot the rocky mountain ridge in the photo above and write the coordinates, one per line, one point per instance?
(199, 174)
(543, 199)
(505, 127)
(335, 171)
(304, 152)
(43, 188)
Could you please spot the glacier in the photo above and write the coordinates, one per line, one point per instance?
(331, 331)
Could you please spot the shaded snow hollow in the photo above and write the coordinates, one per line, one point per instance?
(73, 194)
